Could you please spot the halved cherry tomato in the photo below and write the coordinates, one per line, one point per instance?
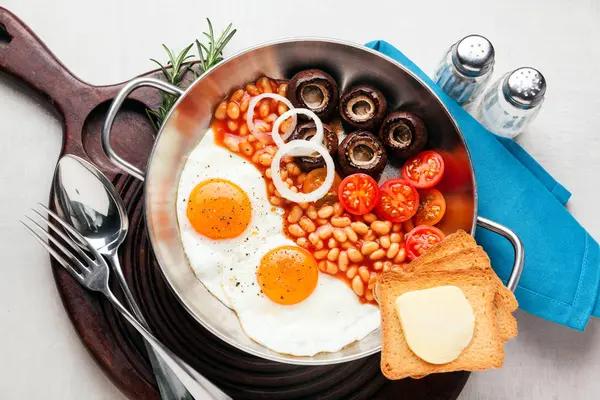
(399, 200)
(424, 170)
(432, 207)
(315, 178)
(421, 239)
(358, 194)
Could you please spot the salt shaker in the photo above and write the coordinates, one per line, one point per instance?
(513, 102)
(466, 68)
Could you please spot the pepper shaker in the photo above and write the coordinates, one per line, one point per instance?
(513, 102)
(466, 68)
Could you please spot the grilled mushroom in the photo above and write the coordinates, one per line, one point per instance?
(363, 107)
(307, 130)
(403, 134)
(362, 152)
(315, 90)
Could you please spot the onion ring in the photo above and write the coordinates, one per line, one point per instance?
(280, 140)
(302, 197)
(254, 102)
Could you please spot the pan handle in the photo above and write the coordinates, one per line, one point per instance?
(112, 113)
(512, 237)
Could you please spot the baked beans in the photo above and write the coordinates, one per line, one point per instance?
(354, 248)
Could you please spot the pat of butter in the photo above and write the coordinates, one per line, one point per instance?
(438, 323)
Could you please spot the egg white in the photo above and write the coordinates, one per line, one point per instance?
(328, 320)
(209, 257)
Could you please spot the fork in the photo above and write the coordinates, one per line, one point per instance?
(93, 273)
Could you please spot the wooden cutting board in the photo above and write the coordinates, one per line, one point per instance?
(111, 342)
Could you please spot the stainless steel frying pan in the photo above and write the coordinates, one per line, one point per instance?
(190, 118)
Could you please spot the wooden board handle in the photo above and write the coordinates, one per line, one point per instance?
(26, 57)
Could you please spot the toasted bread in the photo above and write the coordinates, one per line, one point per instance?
(468, 255)
(485, 349)
(505, 302)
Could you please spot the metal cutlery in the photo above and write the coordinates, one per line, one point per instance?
(91, 204)
(91, 270)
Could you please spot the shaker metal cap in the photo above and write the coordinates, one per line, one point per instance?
(473, 55)
(524, 87)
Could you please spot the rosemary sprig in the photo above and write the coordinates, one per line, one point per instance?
(213, 54)
(174, 71)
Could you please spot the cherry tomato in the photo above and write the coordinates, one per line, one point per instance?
(399, 200)
(421, 239)
(424, 170)
(358, 194)
(432, 207)
(314, 179)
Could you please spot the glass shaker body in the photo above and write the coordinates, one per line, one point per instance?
(464, 89)
(502, 109)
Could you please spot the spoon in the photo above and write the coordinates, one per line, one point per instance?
(89, 201)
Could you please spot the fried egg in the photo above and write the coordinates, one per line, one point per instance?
(285, 304)
(223, 212)
(233, 238)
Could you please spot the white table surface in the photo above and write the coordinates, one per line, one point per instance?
(109, 41)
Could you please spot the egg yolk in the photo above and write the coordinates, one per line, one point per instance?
(219, 209)
(287, 275)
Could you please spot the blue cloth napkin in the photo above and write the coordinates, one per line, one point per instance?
(561, 275)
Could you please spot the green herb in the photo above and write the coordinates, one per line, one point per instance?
(213, 54)
(174, 71)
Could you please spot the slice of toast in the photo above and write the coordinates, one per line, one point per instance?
(470, 256)
(505, 302)
(485, 350)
